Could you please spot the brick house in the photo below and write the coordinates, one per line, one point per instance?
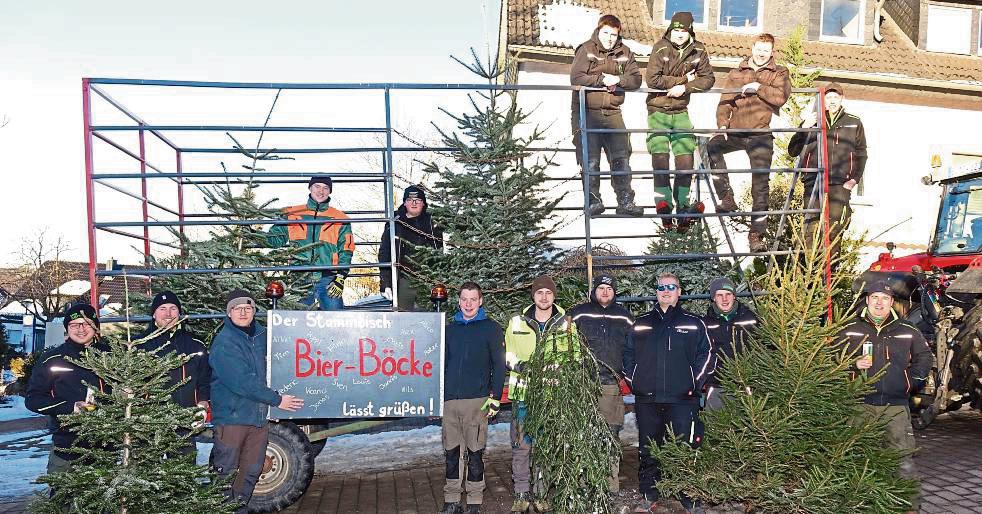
(912, 70)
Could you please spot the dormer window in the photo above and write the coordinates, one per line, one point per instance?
(696, 7)
(740, 15)
(843, 21)
(949, 30)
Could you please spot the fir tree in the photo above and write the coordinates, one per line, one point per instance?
(789, 437)
(134, 461)
(493, 204)
(573, 446)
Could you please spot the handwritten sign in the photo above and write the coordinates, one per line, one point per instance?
(357, 364)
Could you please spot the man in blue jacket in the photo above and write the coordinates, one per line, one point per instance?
(240, 398)
(665, 344)
(474, 376)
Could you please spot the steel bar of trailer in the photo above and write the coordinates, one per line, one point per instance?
(699, 130)
(117, 146)
(105, 96)
(135, 236)
(688, 256)
(712, 214)
(233, 174)
(246, 269)
(205, 223)
(706, 172)
(239, 128)
(133, 195)
(89, 190)
(697, 296)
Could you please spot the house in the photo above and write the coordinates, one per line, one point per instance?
(912, 70)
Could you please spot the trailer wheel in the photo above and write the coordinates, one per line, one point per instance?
(967, 362)
(288, 469)
(317, 446)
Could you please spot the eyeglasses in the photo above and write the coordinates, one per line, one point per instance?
(244, 309)
(78, 325)
(667, 287)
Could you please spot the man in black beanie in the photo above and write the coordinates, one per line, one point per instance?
(414, 227)
(606, 324)
(730, 324)
(336, 248)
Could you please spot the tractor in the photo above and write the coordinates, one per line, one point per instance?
(940, 291)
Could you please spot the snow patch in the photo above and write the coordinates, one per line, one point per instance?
(12, 407)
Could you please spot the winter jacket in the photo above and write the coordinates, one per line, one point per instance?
(668, 357)
(410, 233)
(56, 384)
(591, 61)
(338, 243)
(753, 110)
(239, 395)
(668, 66)
(475, 358)
(606, 330)
(196, 371)
(899, 347)
(729, 334)
(522, 336)
(847, 150)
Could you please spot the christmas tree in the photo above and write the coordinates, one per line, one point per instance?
(789, 437)
(572, 446)
(135, 458)
(492, 204)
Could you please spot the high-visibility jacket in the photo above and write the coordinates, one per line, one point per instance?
(337, 242)
(521, 337)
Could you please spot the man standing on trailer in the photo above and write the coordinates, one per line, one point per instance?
(335, 244)
(414, 227)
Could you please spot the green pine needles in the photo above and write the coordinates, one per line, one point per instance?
(790, 438)
(136, 457)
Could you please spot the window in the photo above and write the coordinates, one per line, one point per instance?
(696, 7)
(960, 221)
(843, 21)
(949, 29)
(740, 15)
(980, 32)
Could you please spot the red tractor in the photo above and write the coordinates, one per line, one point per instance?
(942, 294)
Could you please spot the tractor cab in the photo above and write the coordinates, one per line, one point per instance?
(959, 228)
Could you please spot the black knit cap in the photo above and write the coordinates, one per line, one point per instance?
(880, 286)
(412, 192)
(163, 298)
(80, 311)
(605, 279)
(321, 179)
(681, 20)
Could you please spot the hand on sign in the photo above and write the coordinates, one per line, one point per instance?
(291, 403)
(336, 289)
(492, 406)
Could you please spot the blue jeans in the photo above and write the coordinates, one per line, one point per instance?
(319, 293)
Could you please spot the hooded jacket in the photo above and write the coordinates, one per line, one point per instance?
(337, 244)
(239, 394)
(196, 371)
(668, 357)
(56, 384)
(899, 347)
(729, 334)
(591, 61)
(753, 110)
(521, 338)
(606, 330)
(475, 358)
(847, 150)
(410, 233)
(668, 67)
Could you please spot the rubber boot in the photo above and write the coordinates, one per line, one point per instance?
(756, 242)
(522, 503)
(685, 223)
(473, 508)
(663, 207)
(451, 508)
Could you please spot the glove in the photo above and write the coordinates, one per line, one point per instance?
(387, 293)
(202, 415)
(336, 289)
(624, 386)
(492, 406)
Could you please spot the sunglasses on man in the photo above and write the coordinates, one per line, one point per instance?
(667, 287)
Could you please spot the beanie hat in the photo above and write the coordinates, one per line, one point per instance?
(321, 179)
(721, 284)
(412, 192)
(605, 279)
(880, 286)
(681, 20)
(544, 282)
(239, 297)
(163, 298)
(81, 311)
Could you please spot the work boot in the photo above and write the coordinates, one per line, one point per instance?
(597, 208)
(685, 223)
(726, 202)
(473, 508)
(452, 508)
(664, 207)
(626, 205)
(521, 503)
(756, 242)
(542, 505)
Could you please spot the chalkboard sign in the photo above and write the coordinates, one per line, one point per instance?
(357, 364)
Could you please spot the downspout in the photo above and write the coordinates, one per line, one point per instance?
(503, 40)
(877, 8)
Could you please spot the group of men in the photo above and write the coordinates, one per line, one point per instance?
(679, 66)
(229, 381)
(668, 358)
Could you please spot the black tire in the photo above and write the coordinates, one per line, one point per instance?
(967, 362)
(289, 470)
(317, 446)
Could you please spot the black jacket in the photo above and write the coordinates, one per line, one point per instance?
(668, 66)
(410, 232)
(591, 61)
(729, 334)
(664, 346)
(606, 330)
(196, 370)
(56, 384)
(475, 358)
(898, 346)
(847, 150)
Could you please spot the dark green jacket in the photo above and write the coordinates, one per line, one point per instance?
(338, 243)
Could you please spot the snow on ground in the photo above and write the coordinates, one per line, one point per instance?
(12, 407)
(23, 458)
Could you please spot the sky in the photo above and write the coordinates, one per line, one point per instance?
(47, 47)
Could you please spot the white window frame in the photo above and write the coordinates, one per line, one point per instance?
(841, 39)
(667, 16)
(758, 28)
(968, 46)
(978, 51)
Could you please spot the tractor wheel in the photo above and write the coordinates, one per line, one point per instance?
(967, 362)
(288, 469)
(317, 446)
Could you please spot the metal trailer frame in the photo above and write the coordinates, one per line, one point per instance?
(148, 170)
